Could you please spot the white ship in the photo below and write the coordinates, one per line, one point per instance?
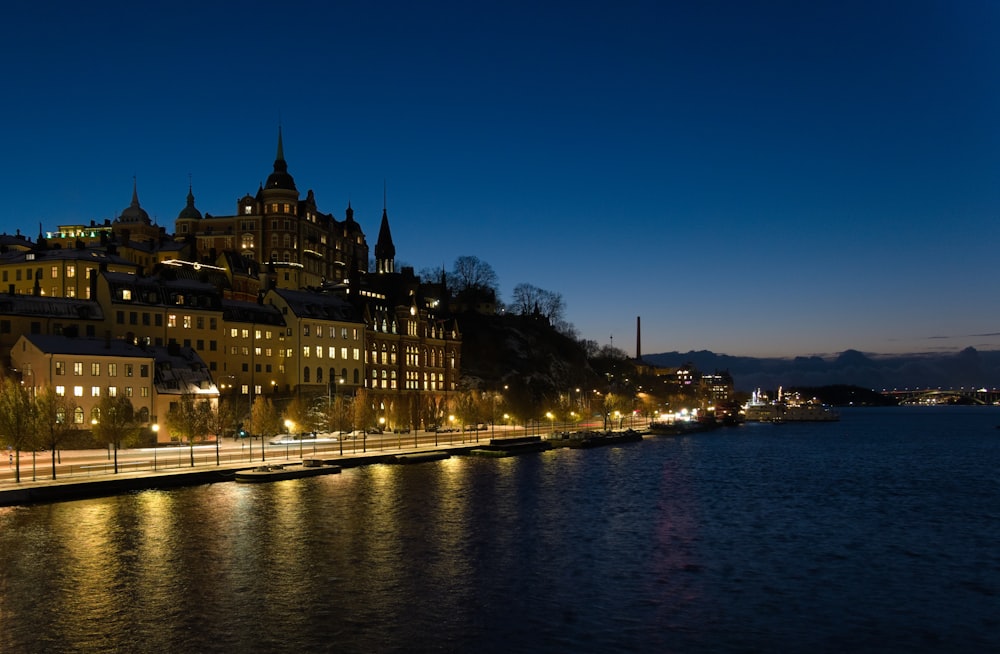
(793, 409)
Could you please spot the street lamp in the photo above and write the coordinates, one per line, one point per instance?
(552, 423)
(289, 427)
(155, 428)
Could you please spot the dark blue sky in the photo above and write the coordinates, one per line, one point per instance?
(761, 178)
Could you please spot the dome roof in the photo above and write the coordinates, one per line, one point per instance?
(133, 213)
(189, 212)
(280, 178)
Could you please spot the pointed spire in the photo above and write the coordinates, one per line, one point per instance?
(190, 211)
(134, 213)
(135, 193)
(280, 177)
(385, 251)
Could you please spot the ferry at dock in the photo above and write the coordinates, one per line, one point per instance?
(790, 409)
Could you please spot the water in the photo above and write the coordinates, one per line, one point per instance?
(878, 533)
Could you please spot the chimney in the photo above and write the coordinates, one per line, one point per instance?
(638, 338)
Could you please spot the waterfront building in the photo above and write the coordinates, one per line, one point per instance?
(325, 340)
(275, 300)
(306, 246)
(717, 389)
(31, 314)
(57, 272)
(87, 369)
(413, 349)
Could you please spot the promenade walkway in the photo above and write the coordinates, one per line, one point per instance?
(89, 473)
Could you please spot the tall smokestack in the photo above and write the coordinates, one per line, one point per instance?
(638, 338)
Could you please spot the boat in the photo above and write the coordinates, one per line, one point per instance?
(278, 472)
(502, 447)
(787, 409)
(598, 439)
(680, 427)
(421, 457)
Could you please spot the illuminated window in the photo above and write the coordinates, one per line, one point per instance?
(61, 391)
(71, 270)
(112, 391)
(95, 369)
(78, 415)
(187, 322)
(60, 367)
(171, 320)
(78, 368)
(95, 391)
(78, 391)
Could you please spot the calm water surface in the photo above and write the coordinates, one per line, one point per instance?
(878, 533)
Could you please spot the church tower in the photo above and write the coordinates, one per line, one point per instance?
(385, 251)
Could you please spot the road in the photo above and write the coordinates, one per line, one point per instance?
(75, 464)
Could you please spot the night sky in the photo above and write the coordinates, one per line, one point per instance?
(757, 178)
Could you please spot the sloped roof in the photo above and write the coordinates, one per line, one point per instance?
(50, 307)
(319, 306)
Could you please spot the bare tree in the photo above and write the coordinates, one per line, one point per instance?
(222, 419)
(265, 421)
(117, 424)
(472, 274)
(531, 300)
(54, 420)
(363, 415)
(297, 412)
(188, 419)
(17, 415)
(525, 299)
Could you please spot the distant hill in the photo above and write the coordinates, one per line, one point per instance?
(968, 368)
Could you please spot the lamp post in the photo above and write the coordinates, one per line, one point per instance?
(289, 427)
(155, 428)
(552, 423)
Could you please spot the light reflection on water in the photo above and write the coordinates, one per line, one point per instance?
(875, 534)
